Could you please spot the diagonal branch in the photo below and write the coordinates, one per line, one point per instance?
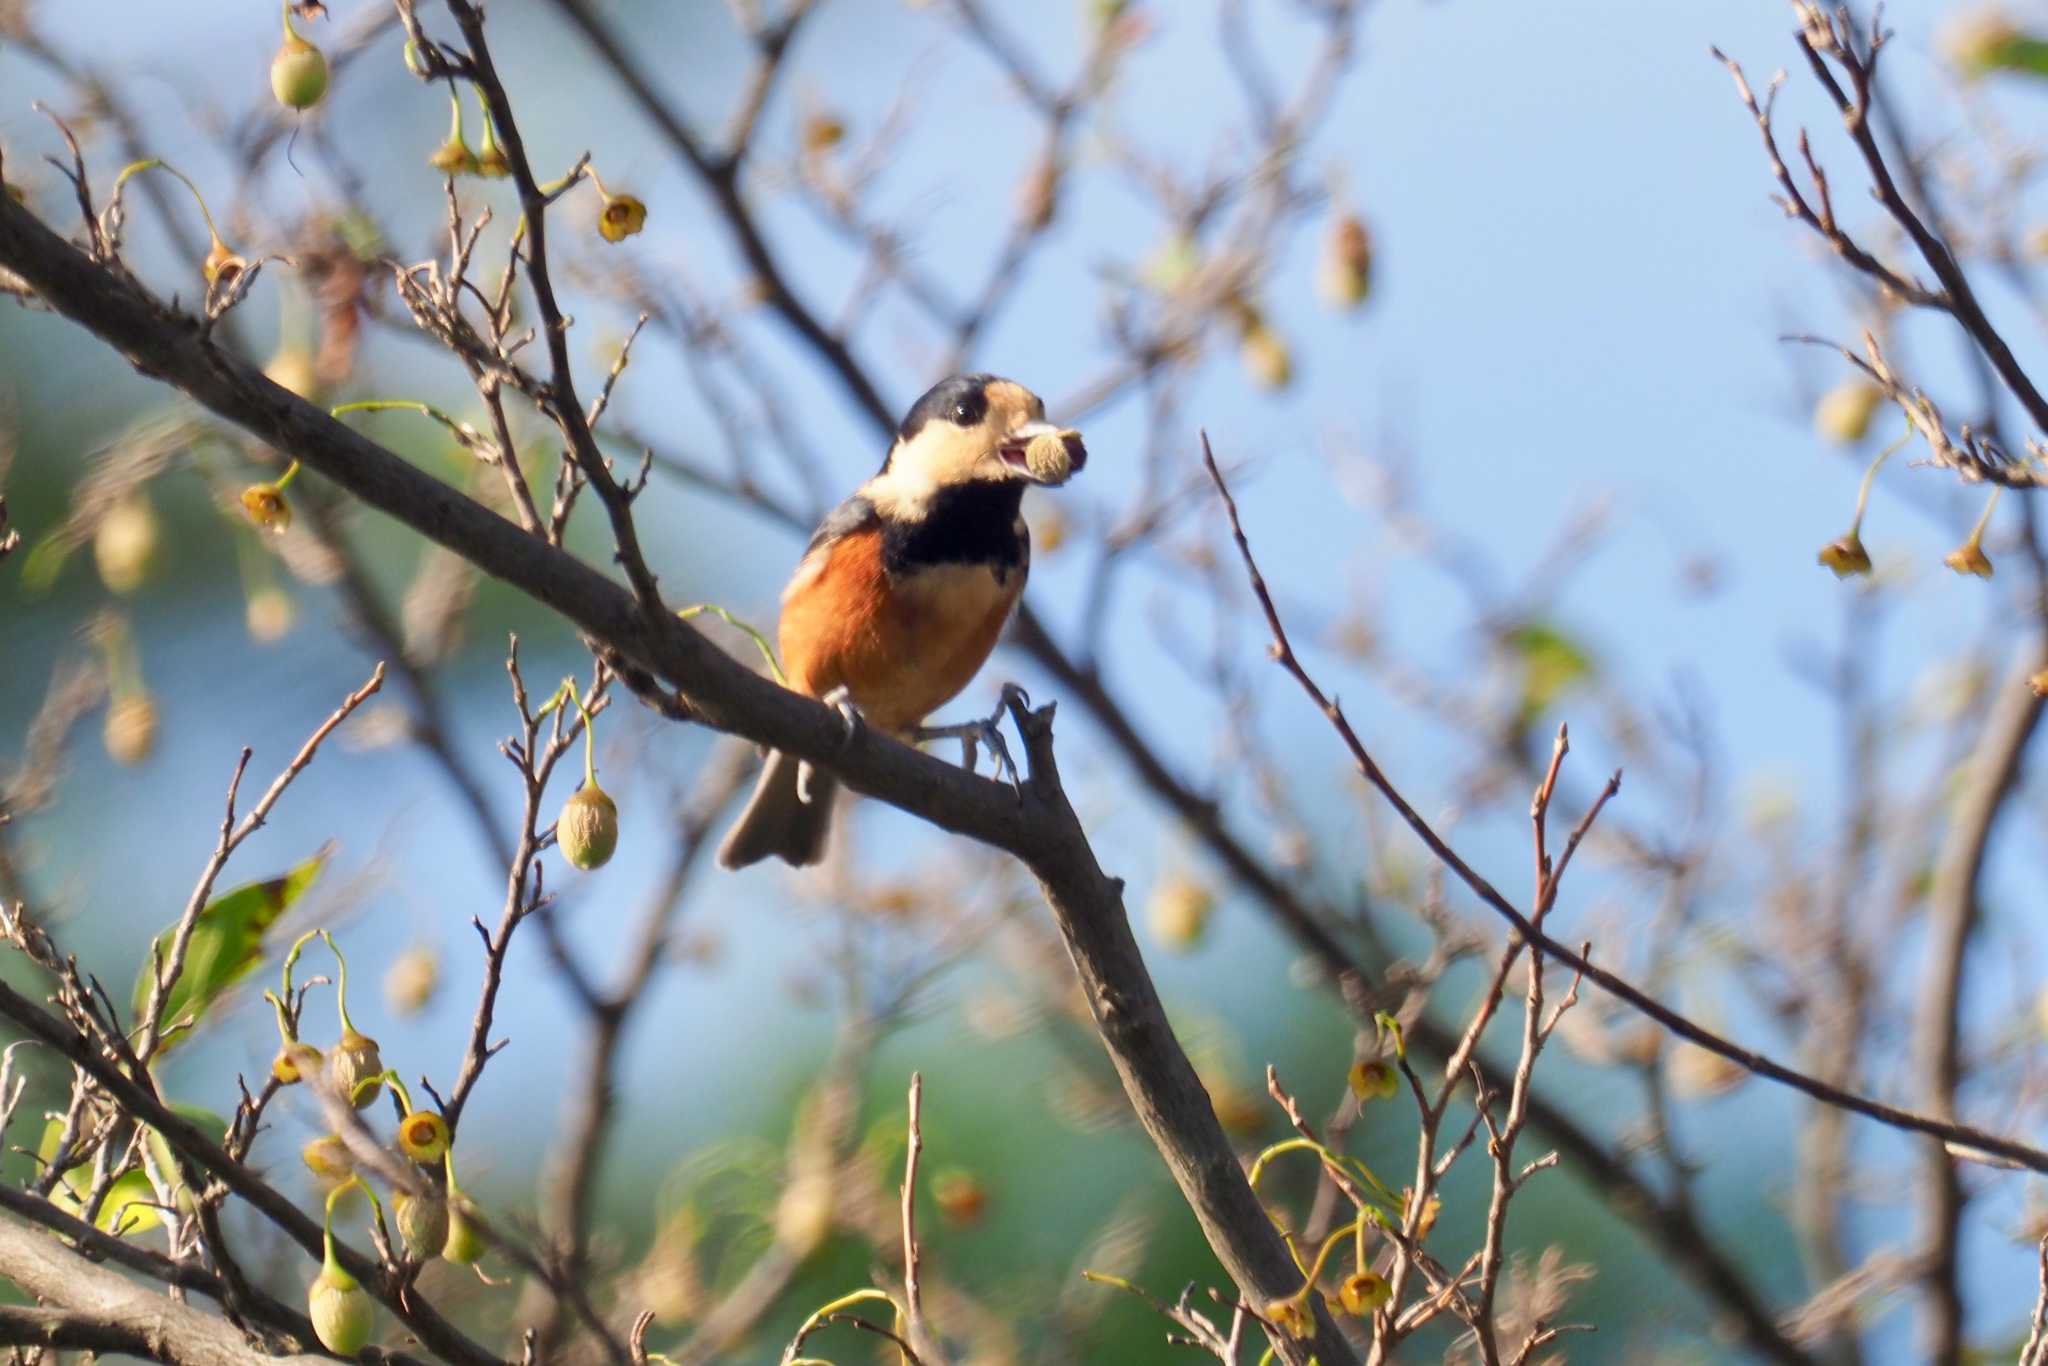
(1038, 825)
(2034, 1159)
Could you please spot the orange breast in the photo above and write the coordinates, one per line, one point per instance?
(901, 648)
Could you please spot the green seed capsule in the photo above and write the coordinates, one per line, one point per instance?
(588, 828)
(352, 1062)
(298, 73)
(342, 1311)
(423, 1224)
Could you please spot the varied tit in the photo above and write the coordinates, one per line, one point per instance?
(904, 588)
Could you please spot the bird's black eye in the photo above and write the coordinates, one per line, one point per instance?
(969, 410)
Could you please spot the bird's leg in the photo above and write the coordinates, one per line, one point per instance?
(986, 731)
(841, 701)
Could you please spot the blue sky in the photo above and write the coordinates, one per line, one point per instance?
(1580, 290)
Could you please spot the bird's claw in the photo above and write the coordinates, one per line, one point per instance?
(841, 701)
(985, 731)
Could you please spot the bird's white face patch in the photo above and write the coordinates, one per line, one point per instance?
(944, 453)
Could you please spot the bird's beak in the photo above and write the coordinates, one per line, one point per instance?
(1015, 452)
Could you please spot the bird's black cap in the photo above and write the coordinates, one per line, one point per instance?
(959, 399)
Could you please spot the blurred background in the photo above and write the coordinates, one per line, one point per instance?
(1555, 465)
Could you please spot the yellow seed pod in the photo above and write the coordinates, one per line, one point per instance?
(294, 1063)
(221, 265)
(353, 1062)
(125, 543)
(327, 1158)
(267, 507)
(292, 368)
(620, 217)
(1291, 1317)
(454, 157)
(342, 1311)
(804, 1214)
(822, 131)
(1178, 911)
(298, 73)
(130, 732)
(1844, 412)
(1345, 276)
(1969, 558)
(490, 159)
(961, 1196)
(423, 1136)
(410, 982)
(1363, 1292)
(1846, 556)
(588, 828)
(465, 1242)
(422, 1224)
(270, 614)
(1697, 1073)
(1266, 356)
(1373, 1079)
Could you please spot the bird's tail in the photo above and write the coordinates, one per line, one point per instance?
(778, 820)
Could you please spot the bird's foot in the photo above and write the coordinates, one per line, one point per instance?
(986, 731)
(841, 701)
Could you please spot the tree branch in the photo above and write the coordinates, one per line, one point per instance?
(1037, 825)
(1947, 1130)
(97, 1309)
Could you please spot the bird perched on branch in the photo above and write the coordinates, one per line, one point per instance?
(903, 590)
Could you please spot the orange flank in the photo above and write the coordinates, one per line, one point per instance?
(901, 649)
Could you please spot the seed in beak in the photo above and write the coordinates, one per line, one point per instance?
(1052, 457)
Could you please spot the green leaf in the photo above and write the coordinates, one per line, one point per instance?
(226, 945)
(1551, 662)
(130, 1206)
(45, 561)
(2021, 52)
